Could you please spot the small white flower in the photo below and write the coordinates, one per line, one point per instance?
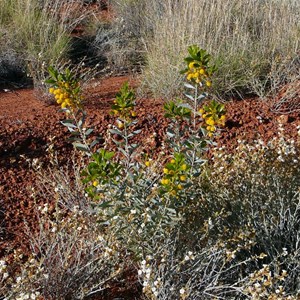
(182, 291)
(145, 283)
(133, 211)
(140, 272)
(2, 263)
(285, 252)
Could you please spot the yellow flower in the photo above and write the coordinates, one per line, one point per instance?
(51, 90)
(183, 178)
(183, 167)
(202, 71)
(196, 75)
(208, 83)
(179, 186)
(165, 181)
(172, 161)
(173, 192)
(189, 76)
(166, 171)
(64, 105)
(210, 134)
(133, 114)
(95, 183)
(57, 91)
(201, 111)
(147, 163)
(67, 85)
(191, 65)
(222, 120)
(210, 121)
(68, 101)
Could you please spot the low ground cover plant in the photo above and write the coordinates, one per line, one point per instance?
(193, 228)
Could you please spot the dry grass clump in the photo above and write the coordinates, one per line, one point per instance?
(39, 32)
(251, 40)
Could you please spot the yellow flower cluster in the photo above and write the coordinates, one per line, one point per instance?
(63, 96)
(174, 177)
(197, 73)
(212, 120)
(124, 114)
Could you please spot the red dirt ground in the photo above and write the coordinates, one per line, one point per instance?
(28, 125)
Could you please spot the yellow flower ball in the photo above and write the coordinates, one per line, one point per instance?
(202, 71)
(166, 171)
(191, 65)
(183, 167)
(172, 161)
(95, 183)
(165, 181)
(189, 77)
(196, 75)
(179, 186)
(210, 121)
(64, 105)
(68, 101)
(51, 90)
(182, 178)
(133, 114)
(208, 83)
(57, 91)
(147, 163)
(201, 111)
(173, 192)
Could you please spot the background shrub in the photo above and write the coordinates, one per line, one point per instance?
(39, 33)
(251, 40)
